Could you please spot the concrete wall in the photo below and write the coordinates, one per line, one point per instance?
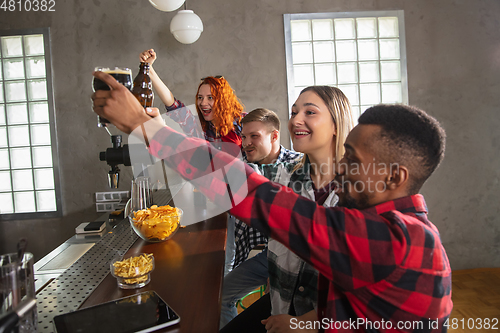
(453, 49)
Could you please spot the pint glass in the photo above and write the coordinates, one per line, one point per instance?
(122, 75)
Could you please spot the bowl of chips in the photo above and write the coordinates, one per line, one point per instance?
(157, 223)
(133, 271)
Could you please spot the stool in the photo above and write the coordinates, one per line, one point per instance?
(261, 290)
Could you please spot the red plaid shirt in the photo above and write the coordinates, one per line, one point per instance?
(381, 269)
(189, 124)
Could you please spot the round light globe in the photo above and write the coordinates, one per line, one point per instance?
(186, 26)
(167, 5)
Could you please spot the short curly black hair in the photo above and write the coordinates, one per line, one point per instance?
(408, 137)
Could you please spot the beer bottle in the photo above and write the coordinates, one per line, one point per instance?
(143, 89)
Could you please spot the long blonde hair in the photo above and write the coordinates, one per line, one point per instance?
(340, 110)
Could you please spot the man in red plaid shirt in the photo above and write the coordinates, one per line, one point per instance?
(381, 262)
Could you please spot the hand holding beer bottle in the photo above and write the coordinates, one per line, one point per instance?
(143, 88)
(161, 90)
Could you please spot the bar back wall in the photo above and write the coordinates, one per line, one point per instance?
(453, 61)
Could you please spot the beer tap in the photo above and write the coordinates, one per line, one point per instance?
(143, 91)
(115, 156)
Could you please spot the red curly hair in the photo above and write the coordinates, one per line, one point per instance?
(227, 108)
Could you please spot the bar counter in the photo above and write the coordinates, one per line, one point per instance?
(188, 274)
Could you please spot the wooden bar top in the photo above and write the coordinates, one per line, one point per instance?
(188, 275)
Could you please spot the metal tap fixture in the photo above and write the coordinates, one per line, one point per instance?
(115, 156)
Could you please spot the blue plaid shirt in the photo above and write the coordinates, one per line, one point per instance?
(245, 237)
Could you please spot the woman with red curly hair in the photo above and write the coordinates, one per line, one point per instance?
(218, 108)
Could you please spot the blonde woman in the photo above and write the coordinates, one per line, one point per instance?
(320, 120)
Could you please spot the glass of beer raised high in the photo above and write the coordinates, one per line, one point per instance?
(121, 74)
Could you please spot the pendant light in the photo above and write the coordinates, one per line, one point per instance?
(186, 26)
(167, 5)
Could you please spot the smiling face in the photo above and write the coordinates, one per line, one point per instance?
(257, 141)
(205, 102)
(311, 125)
(361, 174)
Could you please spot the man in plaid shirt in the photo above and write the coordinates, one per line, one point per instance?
(246, 237)
(381, 262)
(257, 126)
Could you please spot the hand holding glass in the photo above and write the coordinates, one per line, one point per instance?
(121, 74)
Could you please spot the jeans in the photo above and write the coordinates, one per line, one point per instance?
(248, 276)
(230, 245)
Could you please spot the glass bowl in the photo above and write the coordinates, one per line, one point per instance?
(132, 273)
(155, 229)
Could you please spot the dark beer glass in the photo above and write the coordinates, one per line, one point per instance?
(121, 74)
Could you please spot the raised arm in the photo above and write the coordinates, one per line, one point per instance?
(333, 240)
(159, 86)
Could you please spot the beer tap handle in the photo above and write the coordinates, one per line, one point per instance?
(114, 156)
(114, 177)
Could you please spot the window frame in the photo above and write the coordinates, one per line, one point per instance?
(336, 15)
(52, 125)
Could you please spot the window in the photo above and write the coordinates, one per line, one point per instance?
(361, 53)
(29, 182)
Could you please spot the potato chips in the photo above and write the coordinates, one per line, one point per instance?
(133, 267)
(157, 222)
